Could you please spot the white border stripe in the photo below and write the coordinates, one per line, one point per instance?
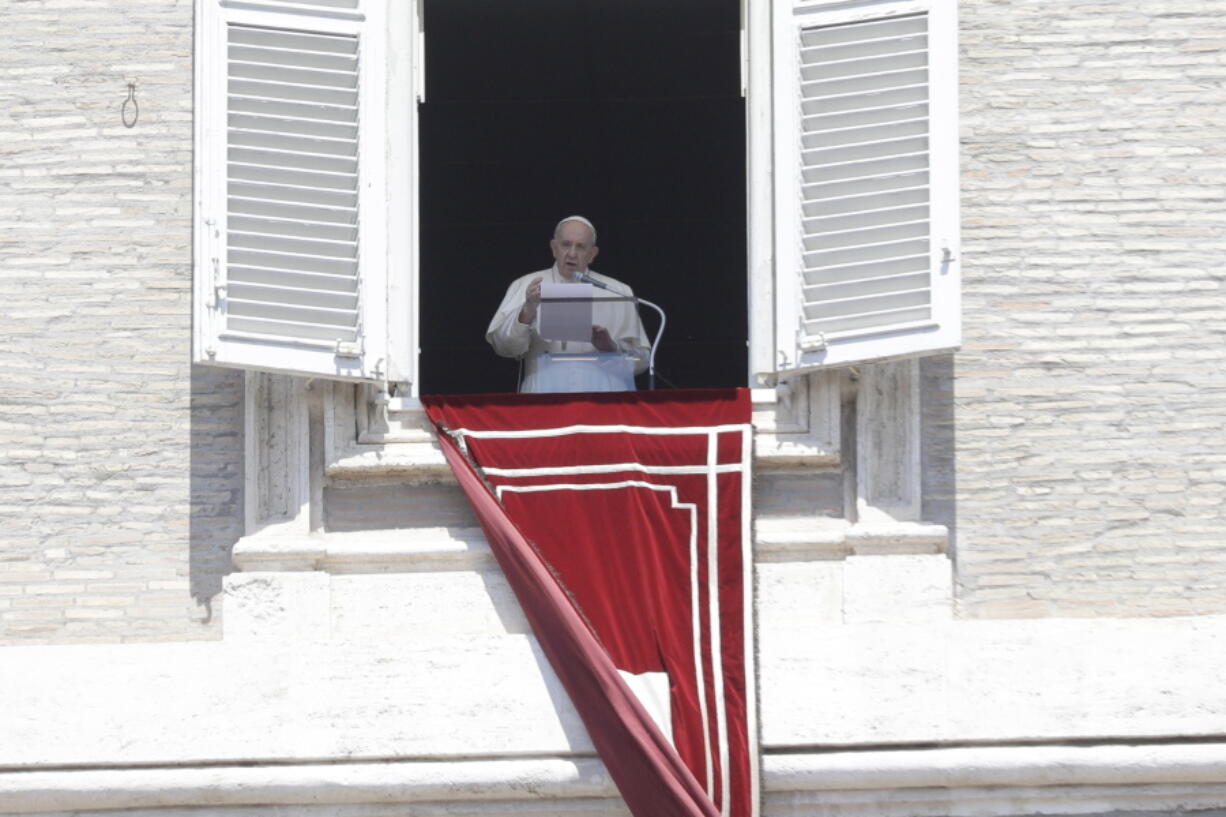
(748, 636)
(717, 658)
(711, 469)
(671, 490)
(612, 468)
(652, 431)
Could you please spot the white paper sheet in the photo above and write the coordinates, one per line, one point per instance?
(567, 319)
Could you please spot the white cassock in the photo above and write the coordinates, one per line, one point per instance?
(510, 338)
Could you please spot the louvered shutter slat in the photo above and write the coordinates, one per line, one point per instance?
(849, 269)
(305, 163)
(862, 186)
(296, 280)
(863, 202)
(292, 40)
(240, 258)
(849, 151)
(293, 314)
(271, 326)
(343, 200)
(861, 133)
(279, 175)
(292, 54)
(319, 4)
(895, 298)
(292, 125)
(293, 295)
(308, 229)
(292, 245)
(827, 262)
(255, 207)
(302, 111)
(858, 287)
(292, 145)
(254, 89)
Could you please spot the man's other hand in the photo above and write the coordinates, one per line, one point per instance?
(602, 340)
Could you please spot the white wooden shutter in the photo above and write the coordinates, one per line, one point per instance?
(290, 255)
(866, 211)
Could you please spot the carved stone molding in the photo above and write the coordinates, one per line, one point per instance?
(796, 424)
(373, 436)
(888, 486)
(277, 454)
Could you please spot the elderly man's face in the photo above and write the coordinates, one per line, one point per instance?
(573, 248)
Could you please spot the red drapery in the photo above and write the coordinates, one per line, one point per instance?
(621, 522)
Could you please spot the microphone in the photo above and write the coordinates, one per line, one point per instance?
(583, 278)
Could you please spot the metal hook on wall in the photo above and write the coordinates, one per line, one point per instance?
(130, 115)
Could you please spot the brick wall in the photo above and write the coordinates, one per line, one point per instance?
(1089, 442)
(119, 464)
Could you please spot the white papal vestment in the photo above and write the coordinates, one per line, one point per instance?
(510, 338)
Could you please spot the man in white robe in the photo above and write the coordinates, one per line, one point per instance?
(514, 330)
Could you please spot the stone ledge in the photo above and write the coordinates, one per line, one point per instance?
(1041, 779)
(408, 549)
(322, 784)
(415, 462)
(1056, 801)
(978, 766)
(995, 780)
(808, 538)
(792, 430)
(986, 682)
(439, 548)
(422, 462)
(417, 694)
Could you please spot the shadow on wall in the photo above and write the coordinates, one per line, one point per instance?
(216, 520)
(938, 460)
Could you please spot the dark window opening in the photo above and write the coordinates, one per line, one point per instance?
(626, 111)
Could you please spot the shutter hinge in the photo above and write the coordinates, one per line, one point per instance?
(217, 293)
(349, 348)
(812, 343)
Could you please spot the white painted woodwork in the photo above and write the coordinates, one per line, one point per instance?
(294, 272)
(866, 221)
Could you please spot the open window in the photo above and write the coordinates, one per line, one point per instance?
(307, 236)
(629, 112)
(866, 208)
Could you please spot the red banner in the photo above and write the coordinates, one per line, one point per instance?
(635, 508)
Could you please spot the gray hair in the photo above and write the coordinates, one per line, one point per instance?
(579, 219)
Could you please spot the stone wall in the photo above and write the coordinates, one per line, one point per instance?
(1089, 398)
(1074, 443)
(119, 463)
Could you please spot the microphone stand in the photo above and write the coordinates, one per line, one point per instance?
(655, 344)
(651, 359)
